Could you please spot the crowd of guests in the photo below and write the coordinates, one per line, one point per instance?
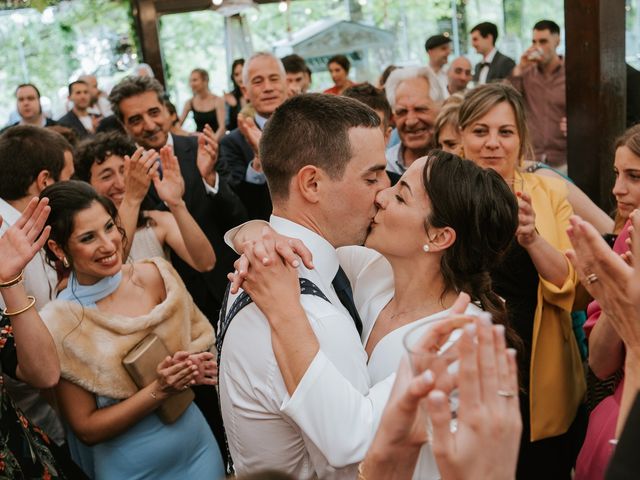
(374, 282)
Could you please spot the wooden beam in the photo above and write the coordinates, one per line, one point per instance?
(181, 6)
(144, 11)
(596, 92)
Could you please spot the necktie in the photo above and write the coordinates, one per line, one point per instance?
(343, 289)
(484, 64)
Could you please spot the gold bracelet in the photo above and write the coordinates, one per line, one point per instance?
(13, 282)
(32, 302)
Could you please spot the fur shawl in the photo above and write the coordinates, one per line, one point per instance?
(92, 344)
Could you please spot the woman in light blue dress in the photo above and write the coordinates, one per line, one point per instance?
(106, 309)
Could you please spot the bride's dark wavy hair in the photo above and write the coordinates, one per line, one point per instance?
(480, 207)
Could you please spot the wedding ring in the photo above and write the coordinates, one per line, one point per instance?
(506, 393)
(592, 278)
(185, 387)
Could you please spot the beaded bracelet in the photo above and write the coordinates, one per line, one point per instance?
(12, 282)
(32, 302)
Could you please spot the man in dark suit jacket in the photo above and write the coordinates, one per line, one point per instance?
(494, 65)
(78, 118)
(264, 83)
(138, 103)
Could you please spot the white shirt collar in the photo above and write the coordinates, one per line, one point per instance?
(490, 55)
(260, 121)
(169, 140)
(325, 258)
(43, 121)
(9, 214)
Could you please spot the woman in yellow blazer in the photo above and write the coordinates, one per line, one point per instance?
(537, 282)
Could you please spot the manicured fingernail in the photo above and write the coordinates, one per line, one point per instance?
(485, 318)
(427, 375)
(265, 260)
(470, 329)
(499, 329)
(295, 263)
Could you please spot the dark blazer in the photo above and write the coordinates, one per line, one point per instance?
(71, 120)
(499, 68)
(633, 96)
(215, 214)
(233, 160)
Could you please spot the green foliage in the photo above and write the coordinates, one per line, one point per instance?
(53, 46)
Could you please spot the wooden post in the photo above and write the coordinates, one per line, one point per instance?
(144, 11)
(596, 92)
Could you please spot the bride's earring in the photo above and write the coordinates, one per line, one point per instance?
(425, 247)
(65, 262)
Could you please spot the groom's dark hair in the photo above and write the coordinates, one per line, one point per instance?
(311, 129)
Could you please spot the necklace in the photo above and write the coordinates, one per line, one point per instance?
(395, 315)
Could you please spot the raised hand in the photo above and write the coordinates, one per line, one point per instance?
(486, 441)
(24, 239)
(207, 155)
(170, 187)
(403, 427)
(609, 279)
(139, 168)
(252, 134)
(526, 233)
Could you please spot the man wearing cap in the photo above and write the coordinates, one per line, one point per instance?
(438, 49)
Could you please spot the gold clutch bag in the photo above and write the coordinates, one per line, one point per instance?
(141, 364)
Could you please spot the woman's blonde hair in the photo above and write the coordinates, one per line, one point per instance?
(448, 116)
(479, 101)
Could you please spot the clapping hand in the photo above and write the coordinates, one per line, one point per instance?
(207, 155)
(526, 233)
(170, 187)
(252, 134)
(609, 279)
(487, 437)
(139, 168)
(207, 368)
(402, 430)
(24, 239)
(176, 373)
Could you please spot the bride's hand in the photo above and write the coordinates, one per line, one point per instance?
(24, 239)
(272, 285)
(286, 249)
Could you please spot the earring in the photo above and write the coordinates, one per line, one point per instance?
(425, 247)
(65, 262)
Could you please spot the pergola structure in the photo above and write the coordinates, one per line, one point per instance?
(596, 81)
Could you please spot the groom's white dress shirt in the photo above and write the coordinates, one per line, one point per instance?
(267, 428)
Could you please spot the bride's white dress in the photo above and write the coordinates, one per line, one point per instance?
(371, 278)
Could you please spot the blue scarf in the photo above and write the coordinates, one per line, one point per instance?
(89, 295)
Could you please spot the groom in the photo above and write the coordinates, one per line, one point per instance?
(324, 161)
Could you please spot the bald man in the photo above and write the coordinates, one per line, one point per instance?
(459, 75)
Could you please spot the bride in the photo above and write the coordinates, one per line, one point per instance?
(437, 233)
